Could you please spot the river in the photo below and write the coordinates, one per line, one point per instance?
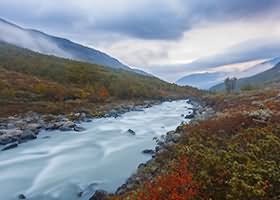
(59, 165)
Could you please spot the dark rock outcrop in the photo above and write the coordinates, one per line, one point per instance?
(99, 195)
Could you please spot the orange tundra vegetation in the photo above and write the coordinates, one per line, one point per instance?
(176, 184)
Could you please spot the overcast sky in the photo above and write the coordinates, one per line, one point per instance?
(169, 38)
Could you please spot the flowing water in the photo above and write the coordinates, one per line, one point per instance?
(59, 165)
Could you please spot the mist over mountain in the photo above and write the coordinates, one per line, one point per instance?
(210, 79)
(202, 80)
(51, 45)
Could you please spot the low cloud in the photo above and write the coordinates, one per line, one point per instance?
(26, 39)
(246, 51)
(245, 54)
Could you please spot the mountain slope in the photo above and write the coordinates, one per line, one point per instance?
(50, 45)
(259, 80)
(32, 81)
(202, 80)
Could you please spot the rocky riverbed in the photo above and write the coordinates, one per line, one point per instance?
(15, 130)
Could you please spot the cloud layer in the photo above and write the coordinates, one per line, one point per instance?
(145, 33)
(157, 19)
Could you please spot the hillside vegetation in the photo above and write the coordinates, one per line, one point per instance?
(233, 155)
(31, 81)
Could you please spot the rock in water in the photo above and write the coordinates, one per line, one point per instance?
(21, 196)
(10, 146)
(67, 126)
(148, 151)
(79, 129)
(131, 132)
(190, 114)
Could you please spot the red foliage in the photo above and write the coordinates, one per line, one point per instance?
(103, 93)
(176, 185)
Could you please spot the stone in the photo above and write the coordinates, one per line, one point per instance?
(34, 127)
(148, 151)
(67, 126)
(261, 115)
(53, 126)
(27, 135)
(131, 132)
(83, 117)
(11, 132)
(176, 137)
(11, 126)
(169, 136)
(79, 129)
(190, 114)
(10, 146)
(21, 196)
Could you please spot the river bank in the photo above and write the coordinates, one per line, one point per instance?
(200, 111)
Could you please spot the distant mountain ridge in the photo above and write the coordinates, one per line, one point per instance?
(202, 80)
(267, 77)
(51, 45)
(210, 79)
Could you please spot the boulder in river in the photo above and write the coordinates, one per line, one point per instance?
(190, 114)
(79, 129)
(67, 126)
(131, 132)
(148, 151)
(21, 196)
(10, 146)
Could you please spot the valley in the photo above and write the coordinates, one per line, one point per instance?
(139, 100)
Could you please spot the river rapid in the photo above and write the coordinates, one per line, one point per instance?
(71, 166)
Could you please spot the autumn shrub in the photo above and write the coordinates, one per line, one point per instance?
(236, 157)
(176, 184)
